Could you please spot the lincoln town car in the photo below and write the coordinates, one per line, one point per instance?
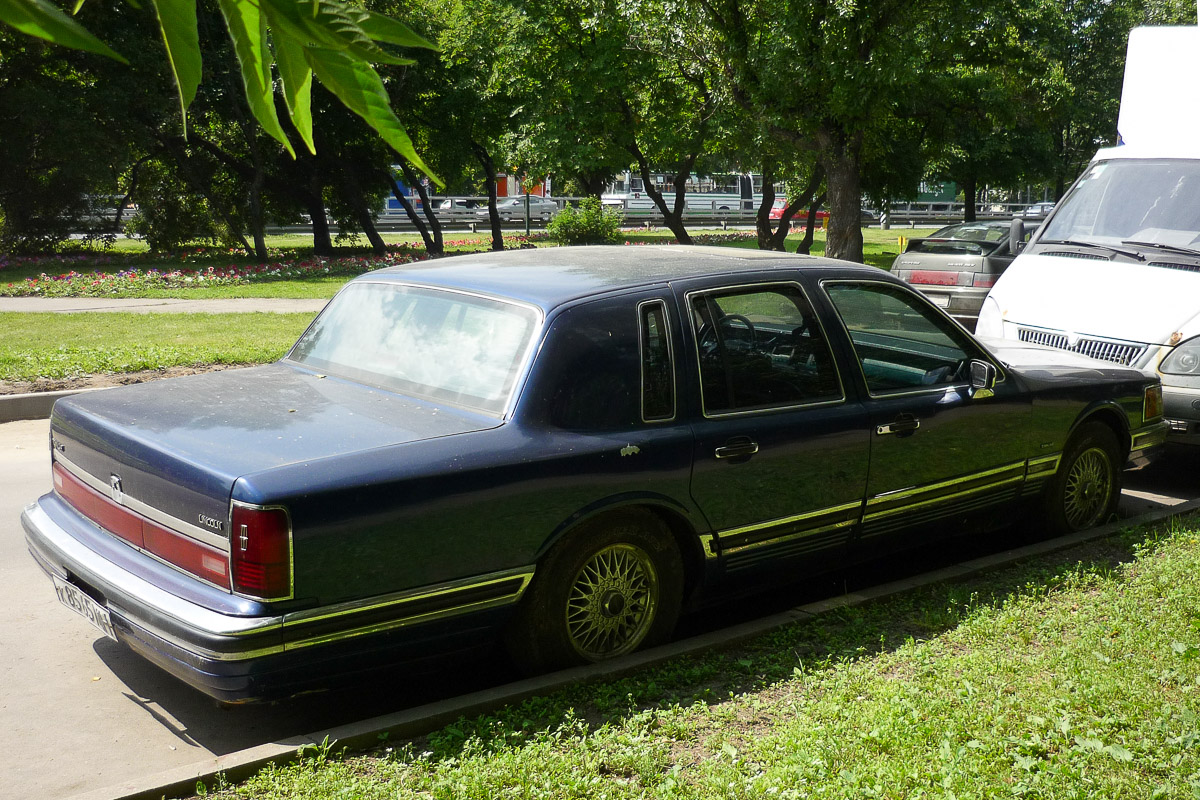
(558, 450)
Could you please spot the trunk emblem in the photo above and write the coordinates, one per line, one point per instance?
(118, 496)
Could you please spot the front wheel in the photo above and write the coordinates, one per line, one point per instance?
(1085, 490)
(611, 587)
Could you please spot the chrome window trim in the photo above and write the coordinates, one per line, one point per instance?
(291, 551)
(984, 355)
(768, 409)
(670, 358)
(519, 375)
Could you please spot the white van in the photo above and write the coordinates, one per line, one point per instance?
(1114, 271)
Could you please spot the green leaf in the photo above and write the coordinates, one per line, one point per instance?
(297, 86)
(177, 21)
(386, 29)
(46, 21)
(360, 89)
(248, 29)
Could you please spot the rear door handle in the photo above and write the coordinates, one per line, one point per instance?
(739, 447)
(903, 424)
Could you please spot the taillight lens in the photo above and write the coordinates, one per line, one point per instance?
(984, 279)
(261, 552)
(1152, 404)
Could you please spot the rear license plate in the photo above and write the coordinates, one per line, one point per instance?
(942, 300)
(73, 598)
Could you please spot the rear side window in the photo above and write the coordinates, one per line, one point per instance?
(591, 368)
(658, 366)
(761, 347)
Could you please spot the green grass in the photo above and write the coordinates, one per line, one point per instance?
(69, 345)
(1071, 676)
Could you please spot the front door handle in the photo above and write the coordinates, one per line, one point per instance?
(904, 425)
(737, 447)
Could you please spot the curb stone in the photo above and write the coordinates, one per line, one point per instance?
(409, 723)
(33, 405)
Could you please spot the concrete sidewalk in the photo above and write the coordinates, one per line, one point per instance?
(143, 305)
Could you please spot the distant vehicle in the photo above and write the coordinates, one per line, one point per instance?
(1038, 211)
(957, 265)
(801, 216)
(717, 193)
(513, 208)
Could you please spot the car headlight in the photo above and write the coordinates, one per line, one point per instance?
(1183, 360)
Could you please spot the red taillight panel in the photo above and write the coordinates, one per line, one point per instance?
(985, 279)
(171, 546)
(934, 277)
(261, 552)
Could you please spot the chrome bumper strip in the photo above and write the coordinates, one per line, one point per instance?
(254, 637)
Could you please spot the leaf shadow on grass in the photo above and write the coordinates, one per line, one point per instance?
(810, 647)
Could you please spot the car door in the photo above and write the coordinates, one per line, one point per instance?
(781, 451)
(942, 455)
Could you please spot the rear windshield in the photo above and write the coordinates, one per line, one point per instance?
(442, 345)
(967, 239)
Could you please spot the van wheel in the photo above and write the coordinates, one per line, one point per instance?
(1085, 490)
(609, 588)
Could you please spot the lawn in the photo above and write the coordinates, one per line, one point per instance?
(1075, 675)
(205, 272)
(60, 346)
(67, 346)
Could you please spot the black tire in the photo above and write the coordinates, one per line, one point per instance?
(1085, 490)
(610, 587)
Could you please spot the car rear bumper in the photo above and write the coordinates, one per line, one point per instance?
(1181, 408)
(237, 650)
(1146, 444)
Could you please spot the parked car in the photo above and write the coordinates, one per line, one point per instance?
(800, 217)
(513, 208)
(561, 447)
(957, 265)
(1038, 211)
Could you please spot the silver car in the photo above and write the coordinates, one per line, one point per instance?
(957, 265)
(513, 208)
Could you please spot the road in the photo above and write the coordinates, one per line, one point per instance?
(80, 713)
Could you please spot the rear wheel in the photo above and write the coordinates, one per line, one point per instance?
(1085, 490)
(611, 587)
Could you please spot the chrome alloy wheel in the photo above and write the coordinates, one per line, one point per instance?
(1089, 486)
(612, 602)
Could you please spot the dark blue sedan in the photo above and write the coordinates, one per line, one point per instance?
(562, 448)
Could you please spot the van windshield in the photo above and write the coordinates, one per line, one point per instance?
(1143, 200)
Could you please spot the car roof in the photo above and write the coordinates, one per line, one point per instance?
(549, 277)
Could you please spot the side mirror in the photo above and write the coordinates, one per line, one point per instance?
(1016, 236)
(983, 379)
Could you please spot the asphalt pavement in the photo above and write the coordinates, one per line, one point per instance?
(82, 715)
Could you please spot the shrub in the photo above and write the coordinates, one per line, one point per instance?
(589, 223)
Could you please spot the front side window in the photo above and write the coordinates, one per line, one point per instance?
(441, 345)
(761, 348)
(902, 344)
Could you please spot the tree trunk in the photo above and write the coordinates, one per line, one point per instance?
(432, 236)
(810, 227)
(762, 218)
(969, 189)
(133, 182)
(777, 239)
(673, 216)
(840, 159)
(489, 170)
(322, 242)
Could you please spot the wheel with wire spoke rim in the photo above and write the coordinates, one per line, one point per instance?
(612, 602)
(612, 586)
(1085, 490)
